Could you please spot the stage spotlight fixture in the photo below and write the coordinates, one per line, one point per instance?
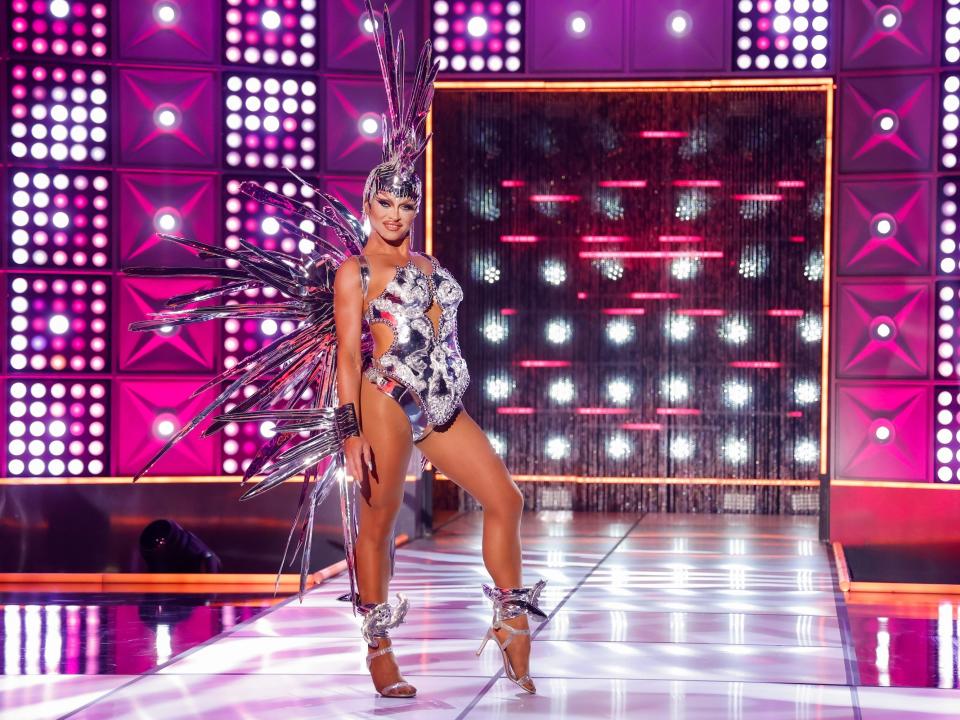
(166, 12)
(166, 219)
(166, 116)
(368, 24)
(477, 26)
(619, 447)
(558, 331)
(883, 225)
(166, 547)
(886, 122)
(620, 330)
(369, 125)
(165, 425)
(806, 392)
(883, 328)
(495, 330)
(679, 23)
(883, 430)
(888, 18)
(578, 24)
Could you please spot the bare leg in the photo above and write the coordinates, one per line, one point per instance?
(387, 429)
(463, 453)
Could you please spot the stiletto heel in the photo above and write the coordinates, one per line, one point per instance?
(510, 603)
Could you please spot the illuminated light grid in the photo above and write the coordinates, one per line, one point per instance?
(478, 36)
(57, 428)
(58, 323)
(59, 218)
(269, 122)
(947, 255)
(947, 435)
(58, 113)
(947, 342)
(271, 32)
(781, 35)
(951, 32)
(949, 120)
(241, 441)
(75, 28)
(258, 223)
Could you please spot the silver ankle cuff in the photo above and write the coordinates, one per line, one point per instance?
(512, 602)
(378, 618)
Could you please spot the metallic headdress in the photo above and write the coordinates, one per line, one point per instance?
(403, 124)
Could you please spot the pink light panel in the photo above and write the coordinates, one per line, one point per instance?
(58, 323)
(60, 219)
(78, 28)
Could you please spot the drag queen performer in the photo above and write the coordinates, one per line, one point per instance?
(375, 351)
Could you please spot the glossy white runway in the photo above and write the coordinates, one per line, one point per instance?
(655, 617)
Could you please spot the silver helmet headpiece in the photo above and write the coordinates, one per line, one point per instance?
(403, 123)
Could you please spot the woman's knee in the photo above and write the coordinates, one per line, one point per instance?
(509, 501)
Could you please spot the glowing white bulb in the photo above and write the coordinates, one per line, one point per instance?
(736, 393)
(59, 8)
(495, 331)
(578, 23)
(166, 428)
(166, 13)
(166, 221)
(269, 327)
(369, 125)
(676, 388)
(270, 19)
(268, 429)
(619, 391)
(681, 448)
(882, 433)
(477, 26)
(736, 450)
(558, 331)
(498, 388)
(679, 23)
(166, 118)
(59, 324)
(561, 391)
(806, 392)
(620, 331)
(557, 448)
(619, 447)
(806, 452)
(679, 327)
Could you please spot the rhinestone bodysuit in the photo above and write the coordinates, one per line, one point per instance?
(422, 369)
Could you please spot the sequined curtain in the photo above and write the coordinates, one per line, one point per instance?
(722, 195)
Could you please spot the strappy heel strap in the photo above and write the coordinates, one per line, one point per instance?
(378, 618)
(512, 602)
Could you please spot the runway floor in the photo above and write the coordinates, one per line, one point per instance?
(660, 616)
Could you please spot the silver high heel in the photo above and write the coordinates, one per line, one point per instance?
(510, 603)
(377, 620)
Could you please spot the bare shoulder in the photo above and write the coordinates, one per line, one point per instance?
(348, 274)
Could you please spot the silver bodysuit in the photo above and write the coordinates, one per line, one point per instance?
(422, 369)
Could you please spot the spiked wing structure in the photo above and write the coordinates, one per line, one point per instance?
(280, 373)
(283, 370)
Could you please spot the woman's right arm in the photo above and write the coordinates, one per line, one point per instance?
(347, 311)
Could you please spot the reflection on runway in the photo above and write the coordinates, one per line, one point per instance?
(667, 616)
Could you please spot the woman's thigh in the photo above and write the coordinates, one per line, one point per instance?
(463, 453)
(387, 429)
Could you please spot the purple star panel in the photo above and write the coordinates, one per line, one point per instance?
(73, 28)
(879, 34)
(782, 35)
(245, 218)
(58, 323)
(478, 36)
(269, 122)
(60, 219)
(349, 32)
(165, 202)
(166, 117)
(58, 113)
(643, 277)
(57, 427)
(184, 348)
(271, 32)
(169, 30)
